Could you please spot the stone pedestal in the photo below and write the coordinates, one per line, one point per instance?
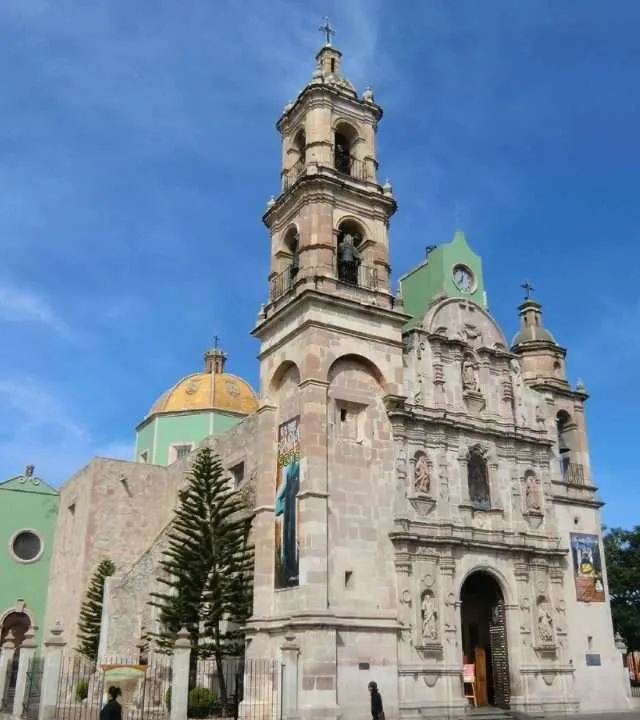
(180, 679)
(290, 655)
(53, 649)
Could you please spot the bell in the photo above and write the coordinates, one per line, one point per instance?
(562, 445)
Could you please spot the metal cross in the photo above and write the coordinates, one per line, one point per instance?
(528, 288)
(327, 30)
(215, 342)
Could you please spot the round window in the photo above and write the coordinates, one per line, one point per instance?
(26, 545)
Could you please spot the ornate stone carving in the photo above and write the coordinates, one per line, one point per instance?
(429, 616)
(545, 622)
(532, 501)
(421, 475)
(470, 375)
(472, 335)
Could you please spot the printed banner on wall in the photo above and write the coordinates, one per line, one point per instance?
(286, 506)
(587, 567)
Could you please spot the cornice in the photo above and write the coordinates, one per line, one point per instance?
(311, 296)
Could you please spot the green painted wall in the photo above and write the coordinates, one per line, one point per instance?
(144, 438)
(26, 503)
(434, 278)
(159, 433)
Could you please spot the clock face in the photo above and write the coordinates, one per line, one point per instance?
(463, 278)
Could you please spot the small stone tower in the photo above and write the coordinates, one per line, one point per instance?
(330, 363)
(543, 367)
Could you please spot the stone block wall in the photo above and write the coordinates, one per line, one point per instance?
(117, 510)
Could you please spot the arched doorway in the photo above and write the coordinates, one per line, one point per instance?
(484, 638)
(18, 623)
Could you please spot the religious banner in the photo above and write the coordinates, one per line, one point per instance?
(287, 573)
(587, 567)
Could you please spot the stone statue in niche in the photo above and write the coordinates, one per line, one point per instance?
(531, 493)
(519, 408)
(429, 619)
(545, 623)
(421, 478)
(469, 376)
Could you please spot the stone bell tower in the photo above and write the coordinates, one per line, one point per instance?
(330, 364)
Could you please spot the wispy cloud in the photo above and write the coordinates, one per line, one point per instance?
(39, 430)
(18, 305)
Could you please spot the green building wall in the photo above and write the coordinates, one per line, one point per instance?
(26, 503)
(156, 435)
(433, 279)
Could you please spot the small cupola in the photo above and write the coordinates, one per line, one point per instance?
(215, 359)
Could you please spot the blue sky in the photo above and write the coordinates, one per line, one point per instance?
(138, 151)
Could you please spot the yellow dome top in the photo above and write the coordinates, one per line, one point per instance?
(212, 389)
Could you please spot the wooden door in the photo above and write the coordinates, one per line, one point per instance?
(482, 691)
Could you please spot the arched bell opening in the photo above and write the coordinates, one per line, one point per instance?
(344, 139)
(349, 252)
(484, 639)
(566, 429)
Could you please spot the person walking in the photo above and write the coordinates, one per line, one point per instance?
(377, 711)
(112, 710)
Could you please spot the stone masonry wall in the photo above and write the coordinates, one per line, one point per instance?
(126, 600)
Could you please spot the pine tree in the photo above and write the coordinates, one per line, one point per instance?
(207, 567)
(91, 611)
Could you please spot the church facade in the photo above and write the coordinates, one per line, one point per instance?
(424, 507)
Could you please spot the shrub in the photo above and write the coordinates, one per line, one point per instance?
(82, 690)
(200, 702)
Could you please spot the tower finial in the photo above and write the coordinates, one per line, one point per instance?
(327, 30)
(528, 289)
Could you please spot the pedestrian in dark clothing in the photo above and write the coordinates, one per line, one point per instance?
(112, 710)
(377, 712)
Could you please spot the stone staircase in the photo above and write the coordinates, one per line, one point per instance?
(493, 713)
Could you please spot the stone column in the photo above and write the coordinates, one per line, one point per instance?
(53, 649)
(180, 679)
(290, 654)
(6, 658)
(27, 651)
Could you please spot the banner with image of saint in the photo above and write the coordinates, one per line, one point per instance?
(287, 572)
(587, 567)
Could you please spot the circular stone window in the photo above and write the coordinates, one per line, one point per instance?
(26, 546)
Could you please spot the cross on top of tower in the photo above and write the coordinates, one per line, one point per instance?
(528, 289)
(216, 340)
(327, 30)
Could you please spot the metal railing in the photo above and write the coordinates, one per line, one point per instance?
(344, 164)
(365, 276)
(573, 473)
(351, 166)
(282, 283)
(292, 174)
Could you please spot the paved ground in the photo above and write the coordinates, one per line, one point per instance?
(631, 715)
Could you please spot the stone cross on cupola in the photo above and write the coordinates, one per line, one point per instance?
(215, 359)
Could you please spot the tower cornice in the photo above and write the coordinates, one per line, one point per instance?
(329, 96)
(310, 296)
(323, 185)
